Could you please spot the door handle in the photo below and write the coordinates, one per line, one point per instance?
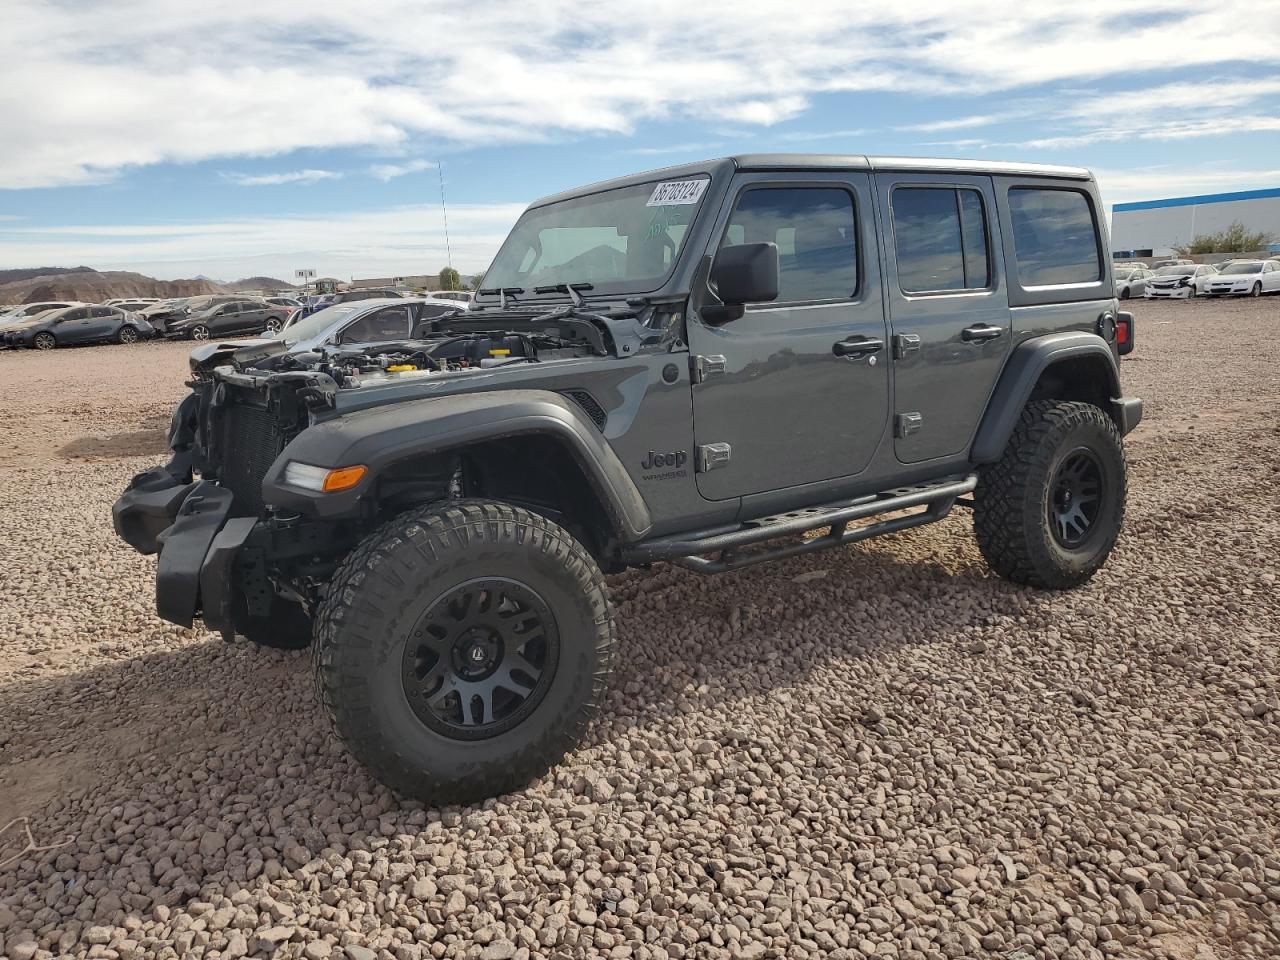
(980, 332)
(856, 347)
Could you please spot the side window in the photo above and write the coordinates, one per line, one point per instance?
(940, 237)
(816, 234)
(390, 323)
(80, 314)
(102, 312)
(1055, 237)
(430, 311)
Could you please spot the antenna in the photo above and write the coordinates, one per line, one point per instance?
(444, 210)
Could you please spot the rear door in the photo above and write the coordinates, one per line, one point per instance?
(948, 308)
(774, 405)
(103, 322)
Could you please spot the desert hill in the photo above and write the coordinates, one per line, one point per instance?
(93, 286)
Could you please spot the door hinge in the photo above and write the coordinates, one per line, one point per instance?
(905, 424)
(703, 367)
(904, 344)
(713, 455)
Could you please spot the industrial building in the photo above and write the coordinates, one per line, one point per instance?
(1154, 228)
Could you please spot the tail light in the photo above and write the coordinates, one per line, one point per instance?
(1124, 333)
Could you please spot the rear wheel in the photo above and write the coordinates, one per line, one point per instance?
(126, 334)
(1048, 513)
(44, 341)
(462, 649)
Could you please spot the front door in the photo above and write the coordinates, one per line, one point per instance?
(948, 307)
(776, 402)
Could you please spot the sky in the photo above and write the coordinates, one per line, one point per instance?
(241, 138)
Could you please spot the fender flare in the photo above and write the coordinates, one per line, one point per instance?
(1028, 361)
(382, 436)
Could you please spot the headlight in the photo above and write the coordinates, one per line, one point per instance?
(322, 479)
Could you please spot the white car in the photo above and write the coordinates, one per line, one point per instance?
(1178, 281)
(1245, 278)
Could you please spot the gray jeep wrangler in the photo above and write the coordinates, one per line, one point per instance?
(712, 365)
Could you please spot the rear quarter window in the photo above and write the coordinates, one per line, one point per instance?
(1055, 236)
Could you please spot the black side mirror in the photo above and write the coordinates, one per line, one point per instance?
(743, 273)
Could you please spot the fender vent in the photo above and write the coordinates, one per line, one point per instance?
(589, 405)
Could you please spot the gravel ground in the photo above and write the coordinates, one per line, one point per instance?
(882, 751)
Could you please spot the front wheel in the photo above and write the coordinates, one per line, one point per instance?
(1124, 294)
(1048, 513)
(1257, 290)
(273, 325)
(199, 332)
(462, 649)
(44, 341)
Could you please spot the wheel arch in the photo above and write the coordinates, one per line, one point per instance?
(1065, 366)
(508, 443)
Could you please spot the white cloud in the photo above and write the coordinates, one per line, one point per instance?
(274, 179)
(389, 171)
(959, 123)
(87, 91)
(393, 242)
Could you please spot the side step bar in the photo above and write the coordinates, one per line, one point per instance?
(938, 497)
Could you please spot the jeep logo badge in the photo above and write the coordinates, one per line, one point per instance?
(676, 459)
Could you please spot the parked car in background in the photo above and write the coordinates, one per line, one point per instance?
(1131, 281)
(358, 324)
(347, 296)
(290, 302)
(24, 310)
(228, 318)
(134, 305)
(76, 325)
(462, 296)
(130, 303)
(1175, 262)
(161, 314)
(1245, 278)
(1177, 280)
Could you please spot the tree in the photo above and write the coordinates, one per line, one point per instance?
(1235, 239)
(477, 281)
(450, 279)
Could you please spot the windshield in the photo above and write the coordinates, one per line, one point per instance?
(317, 323)
(625, 239)
(1176, 270)
(1242, 268)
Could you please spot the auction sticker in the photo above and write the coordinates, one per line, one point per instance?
(670, 193)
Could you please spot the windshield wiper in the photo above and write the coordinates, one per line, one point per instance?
(503, 293)
(570, 288)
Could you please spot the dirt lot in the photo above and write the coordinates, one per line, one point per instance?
(882, 751)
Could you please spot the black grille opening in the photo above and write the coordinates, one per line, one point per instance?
(589, 405)
(251, 441)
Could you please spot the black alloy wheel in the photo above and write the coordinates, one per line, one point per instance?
(481, 658)
(1075, 497)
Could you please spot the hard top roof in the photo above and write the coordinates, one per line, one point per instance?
(827, 161)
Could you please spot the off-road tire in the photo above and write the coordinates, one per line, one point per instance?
(405, 569)
(287, 628)
(1013, 508)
